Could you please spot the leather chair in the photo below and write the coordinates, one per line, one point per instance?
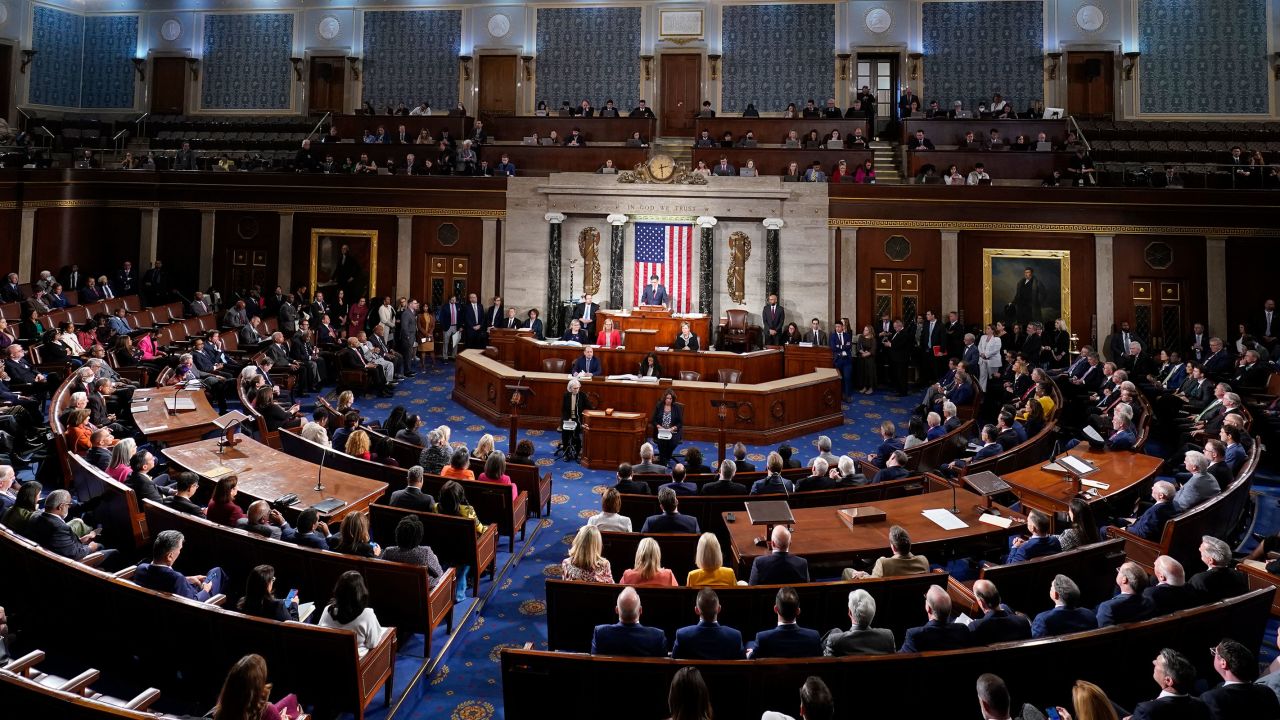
(736, 333)
(690, 375)
(554, 365)
(729, 375)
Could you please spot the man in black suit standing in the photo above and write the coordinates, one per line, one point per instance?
(1238, 696)
(155, 284)
(407, 336)
(933, 354)
(493, 317)
(898, 348)
(473, 334)
(779, 567)
(585, 312)
(74, 278)
(1268, 326)
(774, 321)
(125, 281)
(1175, 675)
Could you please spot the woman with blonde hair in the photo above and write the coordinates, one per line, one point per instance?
(648, 569)
(1090, 703)
(711, 570)
(585, 563)
(358, 445)
(484, 446)
(609, 517)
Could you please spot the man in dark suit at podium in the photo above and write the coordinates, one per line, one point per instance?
(586, 312)
(654, 293)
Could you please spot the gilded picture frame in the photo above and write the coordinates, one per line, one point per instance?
(1003, 270)
(326, 245)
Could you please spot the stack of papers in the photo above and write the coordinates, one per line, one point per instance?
(997, 520)
(945, 519)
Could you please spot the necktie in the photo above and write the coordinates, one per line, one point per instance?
(106, 290)
(1205, 412)
(1268, 332)
(453, 314)
(586, 314)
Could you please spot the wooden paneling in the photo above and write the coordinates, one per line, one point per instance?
(1091, 84)
(237, 236)
(469, 247)
(97, 239)
(951, 132)
(354, 126)
(1251, 281)
(1186, 268)
(168, 85)
(594, 129)
(177, 238)
(925, 259)
(386, 225)
(681, 88)
(774, 161)
(10, 232)
(327, 83)
(1002, 165)
(498, 84)
(774, 130)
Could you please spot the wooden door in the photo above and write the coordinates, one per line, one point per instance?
(498, 84)
(327, 84)
(448, 275)
(169, 85)
(680, 83)
(896, 292)
(1159, 312)
(1091, 84)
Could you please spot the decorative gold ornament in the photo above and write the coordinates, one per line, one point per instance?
(589, 247)
(739, 251)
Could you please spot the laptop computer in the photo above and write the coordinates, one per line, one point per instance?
(1044, 146)
(544, 141)
(528, 140)
(964, 115)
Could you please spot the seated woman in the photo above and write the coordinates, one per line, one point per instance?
(246, 694)
(686, 340)
(524, 453)
(349, 610)
(259, 601)
(1031, 416)
(608, 518)
(495, 471)
(459, 466)
(840, 173)
(649, 366)
(358, 445)
(453, 501)
(222, 507)
(866, 173)
(78, 432)
(395, 421)
(648, 569)
(410, 550)
(149, 346)
(276, 417)
(353, 537)
(18, 517)
(119, 468)
(668, 422)
(347, 403)
(693, 464)
(484, 446)
(915, 433)
(608, 337)
(791, 336)
(585, 563)
(534, 323)
(711, 570)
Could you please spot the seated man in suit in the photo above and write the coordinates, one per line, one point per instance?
(990, 447)
(654, 293)
(1220, 581)
(141, 482)
(888, 443)
(628, 637)
(50, 530)
(725, 485)
(669, 520)
(261, 519)
(1176, 676)
(788, 639)
(647, 465)
(861, 638)
(411, 495)
(903, 562)
(1151, 524)
(626, 484)
(1170, 593)
(779, 567)
(185, 485)
(939, 633)
(587, 364)
(740, 458)
(708, 640)
(998, 623)
(1198, 488)
(576, 333)
(819, 479)
(1130, 604)
(680, 484)
(1066, 616)
(1238, 696)
(894, 468)
(771, 483)
(159, 573)
(1042, 541)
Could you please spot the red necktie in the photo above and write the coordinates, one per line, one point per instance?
(453, 314)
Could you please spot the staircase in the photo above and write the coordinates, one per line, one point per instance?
(886, 157)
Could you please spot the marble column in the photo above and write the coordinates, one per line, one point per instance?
(489, 246)
(617, 239)
(284, 252)
(149, 236)
(26, 245)
(1104, 258)
(404, 257)
(706, 264)
(1215, 267)
(206, 249)
(553, 327)
(951, 274)
(847, 304)
(772, 256)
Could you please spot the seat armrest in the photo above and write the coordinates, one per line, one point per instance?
(126, 573)
(25, 664)
(143, 700)
(81, 682)
(93, 559)
(220, 599)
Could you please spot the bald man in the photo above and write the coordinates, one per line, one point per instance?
(939, 633)
(779, 567)
(627, 636)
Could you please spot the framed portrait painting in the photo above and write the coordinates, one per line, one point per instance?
(1021, 286)
(344, 260)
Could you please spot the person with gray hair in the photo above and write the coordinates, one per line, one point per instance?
(860, 638)
(411, 496)
(7, 494)
(998, 623)
(435, 455)
(1066, 616)
(52, 532)
(950, 421)
(1170, 593)
(819, 479)
(1220, 581)
(1199, 487)
(1130, 605)
(824, 452)
(1151, 524)
(159, 574)
(903, 562)
(628, 637)
(646, 464)
(572, 405)
(725, 485)
(1176, 676)
(262, 519)
(939, 633)
(848, 473)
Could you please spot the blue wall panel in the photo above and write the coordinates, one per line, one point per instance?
(1203, 56)
(412, 56)
(777, 54)
(973, 50)
(58, 39)
(246, 62)
(589, 53)
(110, 44)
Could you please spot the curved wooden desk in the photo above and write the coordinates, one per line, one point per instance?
(756, 367)
(1128, 475)
(769, 412)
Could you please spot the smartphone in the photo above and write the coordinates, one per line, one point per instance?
(1052, 713)
(289, 598)
(730, 517)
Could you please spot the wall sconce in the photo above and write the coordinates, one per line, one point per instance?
(354, 64)
(914, 68)
(647, 60)
(27, 57)
(1054, 59)
(194, 66)
(714, 60)
(466, 66)
(527, 61)
(297, 68)
(844, 64)
(140, 64)
(1130, 62)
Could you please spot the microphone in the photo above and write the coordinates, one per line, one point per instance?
(319, 484)
(954, 508)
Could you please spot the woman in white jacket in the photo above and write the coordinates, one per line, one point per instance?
(989, 357)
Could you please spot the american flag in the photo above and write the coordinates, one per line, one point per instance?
(665, 250)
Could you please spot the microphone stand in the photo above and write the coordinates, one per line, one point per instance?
(319, 484)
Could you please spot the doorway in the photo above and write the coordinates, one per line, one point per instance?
(879, 71)
(1091, 85)
(327, 84)
(680, 79)
(168, 85)
(1158, 313)
(497, 84)
(897, 292)
(448, 275)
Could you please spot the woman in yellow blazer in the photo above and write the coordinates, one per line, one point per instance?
(711, 571)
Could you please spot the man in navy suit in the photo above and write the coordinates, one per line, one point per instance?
(627, 636)
(998, 622)
(989, 448)
(1151, 524)
(888, 443)
(669, 520)
(1238, 696)
(1170, 593)
(970, 353)
(1122, 436)
(788, 639)
(842, 356)
(1066, 616)
(473, 332)
(1217, 363)
(50, 530)
(1236, 454)
(1042, 542)
(680, 484)
(7, 494)
(654, 293)
(1220, 581)
(939, 633)
(708, 640)
(160, 575)
(1130, 604)
(587, 364)
(894, 468)
(779, 566)
(1175, 675)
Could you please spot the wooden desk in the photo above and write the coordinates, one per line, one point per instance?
(266, 474)
(951, 132)
(800, 360)
(774, 160)
(660, 321)
(1129, 475)
(769, 413)
(514, 128)
(1000, 164)
(825, 541)
(774, 129)
(610, 439)
(528, 159)
(757, 367)
(504, 341)
(184, 427)
(353, 126)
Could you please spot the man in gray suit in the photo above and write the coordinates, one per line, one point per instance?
(1199, 487)
(861, 638)
(407, 336)
(647, 465)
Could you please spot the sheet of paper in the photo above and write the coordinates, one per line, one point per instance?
(1094, 484)
(1093, 434)
(217, 472)
(945, 519)
(304, 610)
(177, 404)
(135, 409)
(963, 619)
(997, 520)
